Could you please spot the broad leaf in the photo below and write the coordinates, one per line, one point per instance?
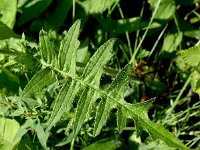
(8, 10)
(8, 130)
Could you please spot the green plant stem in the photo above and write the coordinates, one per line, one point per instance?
(72, 145)
(127, 35)
(73, 10)
(169, 112)
(138, 31)
(158, 39)
(145, 33)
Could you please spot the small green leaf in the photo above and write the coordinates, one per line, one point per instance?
(42, 136)
(68, 48)
(46, 48)
(38, 82)
(121, 119)
(172, 41)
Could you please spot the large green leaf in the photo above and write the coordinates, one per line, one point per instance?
(8, 11)
(8, 130)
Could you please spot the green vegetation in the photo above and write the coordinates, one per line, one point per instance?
(99, 74)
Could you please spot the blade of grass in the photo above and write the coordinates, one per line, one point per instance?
(145, 33)
(169, 112)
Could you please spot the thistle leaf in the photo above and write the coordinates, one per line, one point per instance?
(139, 114)
(39, 81)
(94, 67)
(68, 48)
(46, 47)
(64, 101)
(121, 118)
(115, 95)
(91, 76)
(85, 102)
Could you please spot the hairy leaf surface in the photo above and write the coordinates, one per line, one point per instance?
(46, 47)
(84, 90)
(38, 82)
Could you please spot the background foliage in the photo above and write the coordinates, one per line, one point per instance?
(159, 38)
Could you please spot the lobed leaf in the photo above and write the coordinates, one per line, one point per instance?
(39, 81)
(94, 67)
(115, 94)
(85, 103)
(156, 131)
(64, 100)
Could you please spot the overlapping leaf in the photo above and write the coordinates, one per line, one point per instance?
(86, 89)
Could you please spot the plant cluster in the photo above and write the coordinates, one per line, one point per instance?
(94, 74)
